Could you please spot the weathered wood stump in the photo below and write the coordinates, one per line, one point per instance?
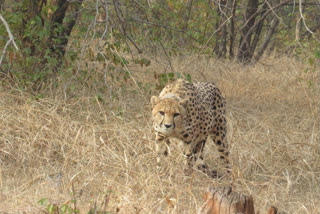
(224, 201)
(273, 210)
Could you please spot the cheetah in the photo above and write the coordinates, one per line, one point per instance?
(190, 112)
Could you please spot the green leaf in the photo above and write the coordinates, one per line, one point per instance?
(100, 57)
(171, 76)
(51, 208)
(43, 201)
(188, 77)
(145, 61)
(163, 79)
(124, 61)
(66, 209)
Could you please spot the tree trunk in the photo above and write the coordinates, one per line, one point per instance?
(244, 52)
(60, 21)
(268, 35)
(59, 40)
(232, 32)
(256, 38)
(267, 38)
(221, 37)
(34, 10)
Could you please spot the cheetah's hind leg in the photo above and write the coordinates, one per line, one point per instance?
(221, 142)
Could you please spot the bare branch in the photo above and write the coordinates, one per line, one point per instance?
(11, 39)
(123, 23)
(258, 12)
(303, 20)
(273, 11)
(163, 26)
(169, 60)
(248, 32)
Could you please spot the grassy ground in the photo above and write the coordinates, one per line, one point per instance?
(76, 144)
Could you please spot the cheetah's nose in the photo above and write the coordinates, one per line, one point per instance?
(167, 126)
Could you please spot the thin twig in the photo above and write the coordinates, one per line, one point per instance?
(131, 76)
(263, 16)
(256, 24)
(91, 28)
(74, 199)
(207, 42)
(163, 26)
(165, 51)
(119, 15)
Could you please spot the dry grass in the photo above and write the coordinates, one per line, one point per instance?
(105, 149)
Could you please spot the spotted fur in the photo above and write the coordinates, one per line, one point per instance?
(190, 112)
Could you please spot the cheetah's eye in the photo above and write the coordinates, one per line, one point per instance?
(161, 112)
(176, 114)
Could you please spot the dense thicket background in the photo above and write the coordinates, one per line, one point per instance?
(76, 79)
(60, 36)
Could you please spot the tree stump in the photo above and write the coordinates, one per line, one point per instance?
(273, 210)
(224, 201)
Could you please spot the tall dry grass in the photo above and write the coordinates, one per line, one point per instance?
(92, 149)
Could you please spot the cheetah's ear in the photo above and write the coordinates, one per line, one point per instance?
(184, 103)
(154, 100)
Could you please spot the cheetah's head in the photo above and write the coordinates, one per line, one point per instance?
(168, 115)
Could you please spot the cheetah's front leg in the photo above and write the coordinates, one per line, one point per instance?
(162, 145)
